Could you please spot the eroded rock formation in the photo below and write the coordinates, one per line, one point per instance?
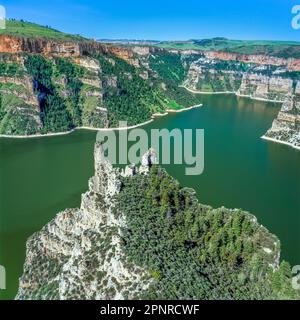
(286, 127)
(78, 255)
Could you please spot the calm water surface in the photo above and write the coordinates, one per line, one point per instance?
(40, 177)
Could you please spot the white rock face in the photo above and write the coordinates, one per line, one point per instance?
(149, 158)
(264, 87)
(142, 51)
(89, 63)
(204, 75)
(79, 253)
(286, 127)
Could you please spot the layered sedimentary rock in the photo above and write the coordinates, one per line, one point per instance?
(254, 76)
(291, 63)
(257, 82)
(252, 80)
(266, 87)
(286, 127)
(11, 44)
(22, 94)
(125, 54)
(19, 106)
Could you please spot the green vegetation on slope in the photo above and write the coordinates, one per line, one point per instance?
(16, 116)
(72, 73)
(10, 69)
(194, 251)
(28, 29)
(54, 114)
(169, 67)
(127, 96)
(171, 70)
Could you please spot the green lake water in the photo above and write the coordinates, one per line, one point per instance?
(39, 177)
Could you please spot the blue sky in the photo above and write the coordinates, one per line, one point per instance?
(162, 19)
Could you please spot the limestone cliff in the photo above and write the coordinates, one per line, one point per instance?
(62, 48)
(106, 90)
(19, 107)
(286, 127)
(257, 86)
(79, 254)
(292, 64)
(74, 82)
(254, 80)
(51, 85)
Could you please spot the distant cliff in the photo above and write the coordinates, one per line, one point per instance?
(264, 80)
(63, 48)
(286, 127)
(128, 244)
(51, 86)
(95, 85)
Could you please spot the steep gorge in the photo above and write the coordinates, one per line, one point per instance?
(130, 83)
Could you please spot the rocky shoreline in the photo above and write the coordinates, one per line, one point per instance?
(100, 129)
(286, 127)
(231, 92)
(280, 142)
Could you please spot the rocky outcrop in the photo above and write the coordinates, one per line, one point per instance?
(79, 255)
(12, 44)
(254, 76)
(19, 107)
(86, 253)
(21, 112)
(27, 95)
(258, 86)
(286, 127)
(124, 54)
(253, 80)
(291, 63)
(9, 44)
(258, 82)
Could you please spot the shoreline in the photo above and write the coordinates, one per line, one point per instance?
(206, 92)
(230, 92)
(280, 142)
(257, 99)
(39, 135)
(184, 109)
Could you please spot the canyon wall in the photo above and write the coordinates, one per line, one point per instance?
(255, 76)
(286, 127)
(291, 63)
(256, 81)
(265, 87)
(11, 44)
(264, 78)
(79, 255)
(14, 45)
